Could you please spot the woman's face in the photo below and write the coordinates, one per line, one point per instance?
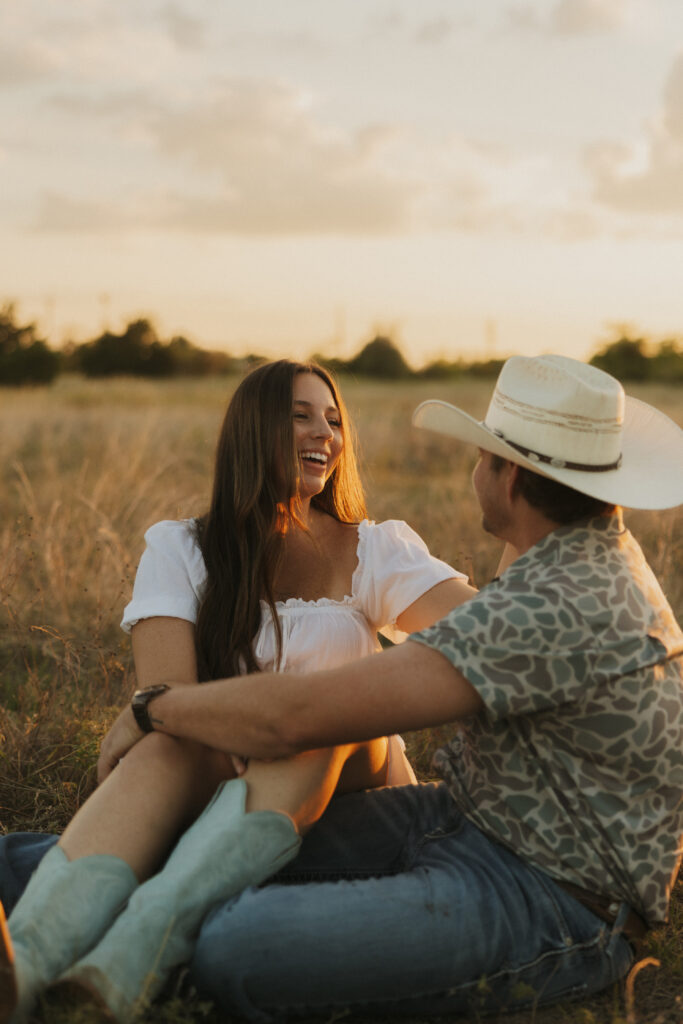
(317, 432)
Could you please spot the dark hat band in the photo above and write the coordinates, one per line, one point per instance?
(548, 460)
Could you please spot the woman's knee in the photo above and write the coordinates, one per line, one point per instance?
(177, 759)
(365, 765)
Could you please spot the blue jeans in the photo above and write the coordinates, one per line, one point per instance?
(398, 905)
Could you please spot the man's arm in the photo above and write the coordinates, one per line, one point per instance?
(270, 715)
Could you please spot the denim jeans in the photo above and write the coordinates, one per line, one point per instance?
(20, 854)
(396, 905)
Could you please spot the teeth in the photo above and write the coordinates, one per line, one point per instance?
(316, 456)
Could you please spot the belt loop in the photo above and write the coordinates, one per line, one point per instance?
(621, 918)
(623, 914)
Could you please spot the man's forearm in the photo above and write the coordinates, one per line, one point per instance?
(277, 715)
(226, 715)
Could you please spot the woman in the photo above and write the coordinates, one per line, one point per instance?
(283, 571)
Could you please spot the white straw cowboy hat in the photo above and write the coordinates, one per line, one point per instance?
(573, 423)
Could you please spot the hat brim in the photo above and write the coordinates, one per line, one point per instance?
(650, 475)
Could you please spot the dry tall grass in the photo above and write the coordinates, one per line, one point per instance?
(86, 467)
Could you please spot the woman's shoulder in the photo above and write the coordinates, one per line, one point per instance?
(175, 539)
(173, 532)
(170, 574)
(384, 547)
(389, 533)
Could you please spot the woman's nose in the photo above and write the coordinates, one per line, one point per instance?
(323, 429)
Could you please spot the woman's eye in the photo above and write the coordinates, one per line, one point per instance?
(335, 423)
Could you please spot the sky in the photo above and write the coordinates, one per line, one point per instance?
(471, 178)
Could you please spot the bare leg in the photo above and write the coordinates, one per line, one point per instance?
(303, 786)
(156, 791)
(162, 784)
(135, 818)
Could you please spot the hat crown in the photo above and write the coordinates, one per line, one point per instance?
(559, 408)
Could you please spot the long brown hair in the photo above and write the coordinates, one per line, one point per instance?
(241, 534)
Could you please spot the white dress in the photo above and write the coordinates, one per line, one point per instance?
(394, 569)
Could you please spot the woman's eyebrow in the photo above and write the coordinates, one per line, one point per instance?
(309, 405)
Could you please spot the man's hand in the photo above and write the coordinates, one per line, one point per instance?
(123, 735)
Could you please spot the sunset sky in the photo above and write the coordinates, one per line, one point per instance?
(285, 176)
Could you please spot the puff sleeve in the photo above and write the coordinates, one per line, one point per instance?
(170, 576)
(395, 568)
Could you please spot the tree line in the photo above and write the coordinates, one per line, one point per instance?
(25, 358)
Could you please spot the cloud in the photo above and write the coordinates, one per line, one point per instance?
(524, 17)
(580, 17)
(280, 166)
(574, 223)
(570, 17)
(59, 213)
(186, 31)
(645, 177)
(20, 65)
(386, 22)
(256, 158)
(435, 31)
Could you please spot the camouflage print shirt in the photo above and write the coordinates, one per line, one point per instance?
(576, 761)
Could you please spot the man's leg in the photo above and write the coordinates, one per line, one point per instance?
(450, 922)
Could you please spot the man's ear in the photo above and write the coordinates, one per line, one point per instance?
(512, 481)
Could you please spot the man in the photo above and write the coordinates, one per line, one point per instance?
(556, 837)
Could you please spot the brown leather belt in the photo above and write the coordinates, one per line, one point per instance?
(634, 928)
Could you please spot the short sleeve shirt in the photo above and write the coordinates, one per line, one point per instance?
(394, 569)
(576, 761)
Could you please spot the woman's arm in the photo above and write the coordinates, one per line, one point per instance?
(435, 604)
(163, 649)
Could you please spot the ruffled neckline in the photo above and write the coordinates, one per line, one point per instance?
(329, 602)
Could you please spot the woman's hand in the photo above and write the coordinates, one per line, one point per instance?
(123, 735)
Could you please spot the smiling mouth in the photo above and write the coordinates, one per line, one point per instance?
(317, 459)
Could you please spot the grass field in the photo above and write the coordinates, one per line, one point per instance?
(86, 467)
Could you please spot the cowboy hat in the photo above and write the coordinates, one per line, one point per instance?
(573, 423)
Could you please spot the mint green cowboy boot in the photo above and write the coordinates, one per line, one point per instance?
(225, 851)
(66, 908)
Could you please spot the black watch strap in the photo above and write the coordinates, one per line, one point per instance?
(140, 704)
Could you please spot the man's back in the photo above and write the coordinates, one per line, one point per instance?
(576, 763)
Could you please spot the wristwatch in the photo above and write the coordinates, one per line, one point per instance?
(140, 704)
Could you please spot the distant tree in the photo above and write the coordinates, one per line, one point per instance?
(440, 369)
(380, 358)
(137, 351)
(24, 358)
(331, 363)
(667, 363)
(485, 367)
(190, 361)
(624, 358)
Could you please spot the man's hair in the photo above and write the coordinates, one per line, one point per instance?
(559, 503)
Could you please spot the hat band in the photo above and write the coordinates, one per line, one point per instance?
(548, 460)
